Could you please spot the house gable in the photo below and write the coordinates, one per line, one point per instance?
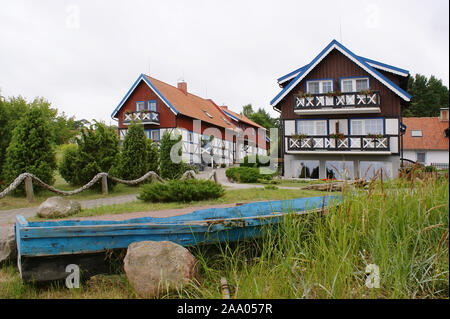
(334, 45)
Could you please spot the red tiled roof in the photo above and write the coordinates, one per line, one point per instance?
(192, 105)
(241, 117)
(433, 137)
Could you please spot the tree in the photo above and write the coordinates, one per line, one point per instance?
(30, 149)
(260, 117)
(428, 96)
(97, 151)
(138, 156)
(168, 168)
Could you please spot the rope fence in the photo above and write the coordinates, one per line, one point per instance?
(28, 179)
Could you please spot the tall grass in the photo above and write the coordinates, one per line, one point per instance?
(400, 226)
(403, 231)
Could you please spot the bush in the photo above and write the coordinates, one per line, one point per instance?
(181, 191)
(255, 161)
(97, 151)
(270, 187)
(168, 168)
(139, 155)
(243, 174)
(30, 149)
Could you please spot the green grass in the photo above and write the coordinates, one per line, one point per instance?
(404, 232)
(230, 196)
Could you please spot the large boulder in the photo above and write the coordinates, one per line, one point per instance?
(58, 207)
(154, 267)
(7, 244)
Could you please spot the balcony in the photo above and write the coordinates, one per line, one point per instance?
(145, 117)
(352, 144)
(342, 103)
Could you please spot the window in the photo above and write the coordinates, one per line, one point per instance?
(311, 128)
(226, 121)
(366, 126)
(318, 87)
(421, 157)
(152, 105)
(153, 135)
(416, 133)
(209, 115)
(140, 106)
(354, 85)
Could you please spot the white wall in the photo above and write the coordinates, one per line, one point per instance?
(430, 156)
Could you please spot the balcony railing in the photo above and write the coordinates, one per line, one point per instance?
(146, 117)
(343, 100)
(346, 143)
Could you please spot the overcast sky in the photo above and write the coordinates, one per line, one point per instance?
(83, 56)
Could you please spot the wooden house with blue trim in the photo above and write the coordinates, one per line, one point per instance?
(341, 115)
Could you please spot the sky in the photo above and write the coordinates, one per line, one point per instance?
(83, 56)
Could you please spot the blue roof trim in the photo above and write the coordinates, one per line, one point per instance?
(384, 65)
(141, 77)
(113, 114)
(359, 59)
(159, 93)
(230, 115)
(291, 73)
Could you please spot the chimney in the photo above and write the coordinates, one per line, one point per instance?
(444, 114)
(182, 86)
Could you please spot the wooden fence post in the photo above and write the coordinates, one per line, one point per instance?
(105, 185)
(29, 188)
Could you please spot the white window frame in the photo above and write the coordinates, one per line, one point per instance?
(315, 126)
(364, 126)
(140, 103)
(353, 80)
(321, 83)
(149, 102)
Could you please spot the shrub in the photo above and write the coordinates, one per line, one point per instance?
(168, 168)
(255, 161)
(139, 155)
(270, 187)
(97, 151)
(30, 149)
(243, 174)
(181, 191)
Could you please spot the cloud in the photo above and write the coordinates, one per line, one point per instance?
(84, 55)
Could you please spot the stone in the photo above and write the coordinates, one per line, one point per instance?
(58, 207)
(8, 249)
(154, 267)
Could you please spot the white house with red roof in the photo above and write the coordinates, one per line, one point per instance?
(426, 140)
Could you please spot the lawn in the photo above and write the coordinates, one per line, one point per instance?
(231, 196)
(403, 232)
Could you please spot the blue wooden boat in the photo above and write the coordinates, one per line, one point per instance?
(46, 248)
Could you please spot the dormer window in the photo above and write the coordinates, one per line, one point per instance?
(319, 86)
(416, 133)
(354, 84)
(207, 114)
(226, 121)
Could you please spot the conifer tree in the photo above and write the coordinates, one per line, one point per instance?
(30, 149)
(171, 169)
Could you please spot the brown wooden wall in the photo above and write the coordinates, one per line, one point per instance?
(143, 93)
(335, 65)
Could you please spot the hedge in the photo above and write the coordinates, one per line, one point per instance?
(181, 191)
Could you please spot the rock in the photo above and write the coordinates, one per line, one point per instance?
(7, 244)
(152, 267)
(57, 207)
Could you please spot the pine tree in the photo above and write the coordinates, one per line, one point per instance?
(31, 149)
(98, 149)
(168, 168)
(139, 154)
